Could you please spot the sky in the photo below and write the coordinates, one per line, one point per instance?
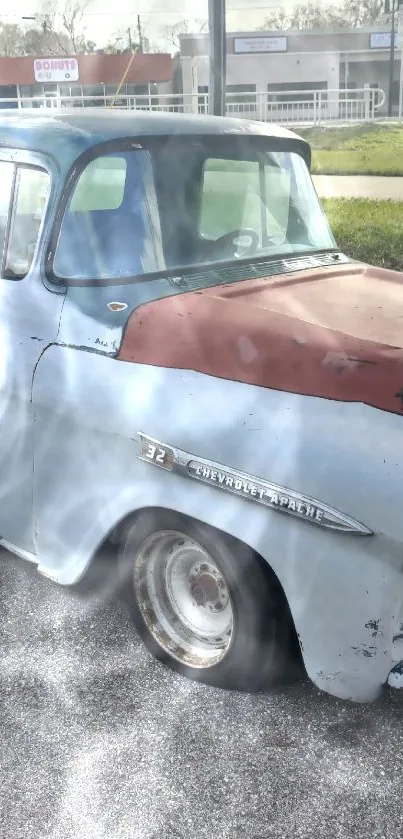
(104, 19)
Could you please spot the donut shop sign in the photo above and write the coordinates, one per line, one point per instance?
(56, 70)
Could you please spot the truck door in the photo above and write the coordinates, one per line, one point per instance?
(29, 319)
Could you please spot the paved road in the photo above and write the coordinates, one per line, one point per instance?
(359, 186)
(100, 742)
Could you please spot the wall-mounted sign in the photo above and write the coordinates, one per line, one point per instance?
(381, 40)
(56, 70)
(260, 45)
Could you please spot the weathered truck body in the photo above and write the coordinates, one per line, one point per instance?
(250, 385)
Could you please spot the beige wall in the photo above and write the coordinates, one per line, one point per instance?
(309, 57)
(315, 56)
(358, 39)
(266, 69)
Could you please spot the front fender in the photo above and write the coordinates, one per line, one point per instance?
(88, 409)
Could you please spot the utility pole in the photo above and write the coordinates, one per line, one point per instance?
(217, 56)
(391, 8)
(140, 34)
(129, 32)
(400, 45)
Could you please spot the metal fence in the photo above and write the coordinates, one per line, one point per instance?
(311, 107)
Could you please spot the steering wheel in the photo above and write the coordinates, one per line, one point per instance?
(229, 239)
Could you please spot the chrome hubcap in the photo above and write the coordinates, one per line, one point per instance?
(183, 598)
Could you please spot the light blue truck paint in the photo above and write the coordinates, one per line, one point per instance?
(69, 446)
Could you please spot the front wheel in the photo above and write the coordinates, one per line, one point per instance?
(202, 603)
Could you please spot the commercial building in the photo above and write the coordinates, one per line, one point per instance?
(291, 65)
(29, 81)
(281, 76)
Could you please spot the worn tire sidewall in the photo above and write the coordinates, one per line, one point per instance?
(255, 657)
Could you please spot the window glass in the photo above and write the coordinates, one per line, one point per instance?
(230, 197)
(6, 180)
(241, 98)
(235, 197)
(101, 186)
(136, 211)
(202, 99)
(110, 226)
(111, 89)
(137, 89)
(31, 192)
(275, 199)
(288, 92)
(27, 90)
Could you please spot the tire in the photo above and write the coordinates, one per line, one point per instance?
(184, 583)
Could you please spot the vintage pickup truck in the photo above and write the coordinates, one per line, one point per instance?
(193, 375)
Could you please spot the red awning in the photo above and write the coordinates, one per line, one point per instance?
(94, 69)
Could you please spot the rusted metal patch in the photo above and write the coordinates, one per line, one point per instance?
(116, 306)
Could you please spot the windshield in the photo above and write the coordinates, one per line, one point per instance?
(181, 203)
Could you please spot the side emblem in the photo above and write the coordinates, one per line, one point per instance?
(273, 496)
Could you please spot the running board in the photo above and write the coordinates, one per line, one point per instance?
(27, 555)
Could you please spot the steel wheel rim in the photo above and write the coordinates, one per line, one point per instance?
(183, 598)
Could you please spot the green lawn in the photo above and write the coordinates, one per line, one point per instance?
(367, 149)
(370, 231)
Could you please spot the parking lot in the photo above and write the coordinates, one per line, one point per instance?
(101, 742)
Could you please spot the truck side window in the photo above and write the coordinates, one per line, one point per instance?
(6, 180)
(29, 201)
(101, 186)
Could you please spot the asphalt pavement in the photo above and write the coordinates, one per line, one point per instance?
(101, 742)
(359, 186)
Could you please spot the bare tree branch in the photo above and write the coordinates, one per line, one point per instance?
(313, 15)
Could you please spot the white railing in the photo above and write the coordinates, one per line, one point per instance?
(311, 107)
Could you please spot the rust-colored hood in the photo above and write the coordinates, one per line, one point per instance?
(335, 333)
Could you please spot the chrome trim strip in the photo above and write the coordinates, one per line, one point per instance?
(275, 497)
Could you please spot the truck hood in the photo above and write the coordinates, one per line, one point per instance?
(335, 333)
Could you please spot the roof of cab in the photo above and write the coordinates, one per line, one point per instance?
(66, 133)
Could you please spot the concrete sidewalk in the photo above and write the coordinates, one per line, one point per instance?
(359, 186)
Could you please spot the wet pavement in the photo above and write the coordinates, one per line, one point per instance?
(359, 186)
(101, 742)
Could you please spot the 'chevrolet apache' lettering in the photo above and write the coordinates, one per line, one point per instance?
(247, 486)
(255, 490)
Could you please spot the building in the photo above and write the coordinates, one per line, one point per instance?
(29, 81)
(279, 76)
(293, 65)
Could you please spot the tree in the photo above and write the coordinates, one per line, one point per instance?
(367, 12)
(312, 15)
(66, 25)
(122, 42)
(18, 41)
(182, 27)
(51, 35)
(38, 41)
(11, 39)
(72, 20)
